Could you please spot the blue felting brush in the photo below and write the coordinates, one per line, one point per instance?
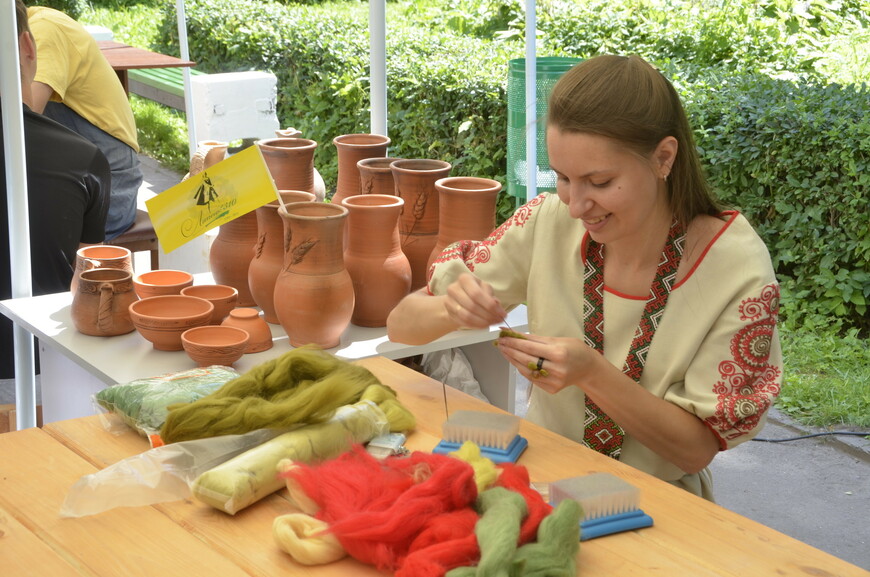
(610, 505)
(497, 435)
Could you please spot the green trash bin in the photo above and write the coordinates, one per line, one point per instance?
(548, 70)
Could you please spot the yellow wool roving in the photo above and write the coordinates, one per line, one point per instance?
(485, 471)
(304, 385)
(306, 539)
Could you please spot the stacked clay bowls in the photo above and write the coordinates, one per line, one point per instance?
(223, 297)
(161, 282)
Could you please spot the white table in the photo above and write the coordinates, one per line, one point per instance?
(73, 366)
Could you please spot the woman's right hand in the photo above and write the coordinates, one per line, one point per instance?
(471, 303)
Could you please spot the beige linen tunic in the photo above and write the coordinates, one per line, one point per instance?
(716, 350)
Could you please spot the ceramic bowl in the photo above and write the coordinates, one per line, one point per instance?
(161, 282)
(214, 345)
(223, 297)
(162, 319)
(256, 326)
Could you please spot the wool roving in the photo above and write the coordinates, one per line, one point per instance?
(304, 385)
(555, 552)
(306, 539)
(516, 478)
(485, 472)
(394, 501)
(497, 533)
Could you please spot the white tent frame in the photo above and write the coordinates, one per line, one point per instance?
(15, 161)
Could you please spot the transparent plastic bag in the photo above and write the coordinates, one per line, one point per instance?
(158, 475)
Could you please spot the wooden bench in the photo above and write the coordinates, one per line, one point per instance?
(163, 85)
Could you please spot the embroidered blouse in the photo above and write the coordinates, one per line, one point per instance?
(716, 351)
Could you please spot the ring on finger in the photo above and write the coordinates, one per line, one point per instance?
(536, 374)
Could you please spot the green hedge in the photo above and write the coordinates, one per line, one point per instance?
(791, 153)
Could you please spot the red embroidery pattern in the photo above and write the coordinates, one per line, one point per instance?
(748, 383)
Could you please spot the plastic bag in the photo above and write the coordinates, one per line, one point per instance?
(141, 404)
(451, 367)
(158, 475)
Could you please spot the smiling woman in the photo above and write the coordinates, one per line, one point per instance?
(688, 360)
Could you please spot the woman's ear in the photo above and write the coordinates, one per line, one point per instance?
(664, 156)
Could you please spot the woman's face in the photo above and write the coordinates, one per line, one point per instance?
(614, 191)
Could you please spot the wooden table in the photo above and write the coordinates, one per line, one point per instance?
(691, 537)
(123, 58)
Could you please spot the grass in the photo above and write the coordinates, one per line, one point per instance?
(827, 374)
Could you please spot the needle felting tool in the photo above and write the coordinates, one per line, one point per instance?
(497, 435)
(610, 504)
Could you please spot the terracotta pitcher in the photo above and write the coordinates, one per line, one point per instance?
(467, 210)
(418, 225)
(290, 162)
(314, 293)
(352, 148)
(379, 269)
(269, 252)
(101, 304)
(231, 254)
(375, 175)
(100, 256)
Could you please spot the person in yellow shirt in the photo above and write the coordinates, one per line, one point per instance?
(77, 87)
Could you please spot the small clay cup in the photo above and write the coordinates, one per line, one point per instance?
(223, 297)
(162, 319)
(215, 345)
(256, 326)
(161, 282)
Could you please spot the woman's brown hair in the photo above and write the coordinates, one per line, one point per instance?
(624, 98)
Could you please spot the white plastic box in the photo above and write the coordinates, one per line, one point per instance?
(235, 105)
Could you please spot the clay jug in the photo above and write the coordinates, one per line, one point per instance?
(269, 252)
(319, 186)
(467, 210)
(375, 175)
(314, 292)
(231, 252)
(380, 271)
(100, 256)
(101, 303)
(208, 153)
(418, 224)
(290, 162)
(351, 148)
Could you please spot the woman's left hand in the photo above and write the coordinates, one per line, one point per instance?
(551, 363)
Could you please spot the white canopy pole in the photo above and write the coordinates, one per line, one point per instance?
(531, 103)
(16, 202)
(378, 65)
(188, 96)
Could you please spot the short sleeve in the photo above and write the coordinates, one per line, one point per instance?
(737, 372)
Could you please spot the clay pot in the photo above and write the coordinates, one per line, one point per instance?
(231, 253)
(418, 224)
(376, 176)
(351, 148)
(161, 282)
(319, 186)
(208, 153)
(379, 269)
(101, 303)
(467, 210)
(269, 252)
(100, 256)
(290, 162)
(162, 319)
(214, 345)
(251, 321)
(223, 297)
(314, 293)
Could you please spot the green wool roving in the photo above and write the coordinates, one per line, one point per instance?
(305, 385)
(498, 530)
(554, 554)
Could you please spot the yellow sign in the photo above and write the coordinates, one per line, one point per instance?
(220, 193)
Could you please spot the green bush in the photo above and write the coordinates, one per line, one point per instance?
(72, 8)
